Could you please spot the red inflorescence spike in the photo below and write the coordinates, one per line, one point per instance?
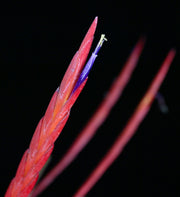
(51, 125)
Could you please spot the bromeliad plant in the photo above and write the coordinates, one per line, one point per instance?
(58, 111)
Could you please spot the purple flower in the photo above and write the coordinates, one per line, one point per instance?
(90, 63)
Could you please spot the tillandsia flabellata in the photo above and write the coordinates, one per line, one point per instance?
(51, 125)
(58, 112)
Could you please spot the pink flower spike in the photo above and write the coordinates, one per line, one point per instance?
(129, 130)
(51, 125)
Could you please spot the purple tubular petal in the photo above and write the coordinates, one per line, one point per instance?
(85, 71)
(89, 64)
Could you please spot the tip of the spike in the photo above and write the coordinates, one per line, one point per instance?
(171, 54)
(95, 22)
(89, 36)
(96, 19)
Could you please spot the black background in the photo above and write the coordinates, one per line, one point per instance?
(36, 46)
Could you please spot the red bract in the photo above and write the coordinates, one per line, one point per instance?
(51, 125)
